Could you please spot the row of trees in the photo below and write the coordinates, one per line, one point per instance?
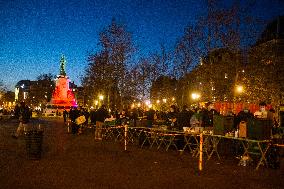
(212, 57)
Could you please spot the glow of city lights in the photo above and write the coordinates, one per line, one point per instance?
(138, 104)
(164, 100)
(158, 101)
(173, 99)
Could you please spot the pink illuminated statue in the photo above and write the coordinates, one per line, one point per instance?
(62, 94)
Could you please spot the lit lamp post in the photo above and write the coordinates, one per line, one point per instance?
(164, 105)
(101, 98)
(157, 105)
(96, 103)
(238, 90)
(195, 97)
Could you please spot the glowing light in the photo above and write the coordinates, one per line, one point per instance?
(195, 96)
(147, 102)
(96, 102)
(158, 101)
(239, 88)
(25, 95)
(164, 100)
(138, 104)
(173, 99)
(101, 97)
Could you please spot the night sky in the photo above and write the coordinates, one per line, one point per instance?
(34, 34)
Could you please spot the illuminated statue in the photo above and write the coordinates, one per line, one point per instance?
(62, 95)
(62, 66)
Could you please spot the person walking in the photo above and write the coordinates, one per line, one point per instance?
(101, 115)
(24, 117)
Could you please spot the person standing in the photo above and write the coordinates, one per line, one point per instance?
(172, 117)
(65, 115)
(208, 114)
(183, 119)
(101, 115)
(150, 116)
(262, 112)
(24, 117)
(73, 115)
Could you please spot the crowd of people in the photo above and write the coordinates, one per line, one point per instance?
(174, 118)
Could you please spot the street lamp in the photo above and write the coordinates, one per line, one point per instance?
(239, 88)
(101, 97)
(195, 96)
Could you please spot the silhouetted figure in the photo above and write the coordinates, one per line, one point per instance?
(24, 117)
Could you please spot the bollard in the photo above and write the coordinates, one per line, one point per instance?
(125, 137)
(201, 152)
(68, 127)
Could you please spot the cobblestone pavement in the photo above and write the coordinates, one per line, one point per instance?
(81, 162)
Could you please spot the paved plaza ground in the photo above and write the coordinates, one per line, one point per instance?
(81, 162)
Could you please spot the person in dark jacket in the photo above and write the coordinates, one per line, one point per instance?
(172, 117)
(101, 115)
(244, 115)
(24, 117)
(93, 117)
(183, 119)
(207, 115)
(65, 115)
(150, 116)
(73, 115)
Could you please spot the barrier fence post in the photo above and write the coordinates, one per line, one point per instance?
(125, 137)
(201, 152)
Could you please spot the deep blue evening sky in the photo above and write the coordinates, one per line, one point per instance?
(34, 34)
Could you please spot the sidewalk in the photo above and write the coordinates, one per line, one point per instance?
(81, 162)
